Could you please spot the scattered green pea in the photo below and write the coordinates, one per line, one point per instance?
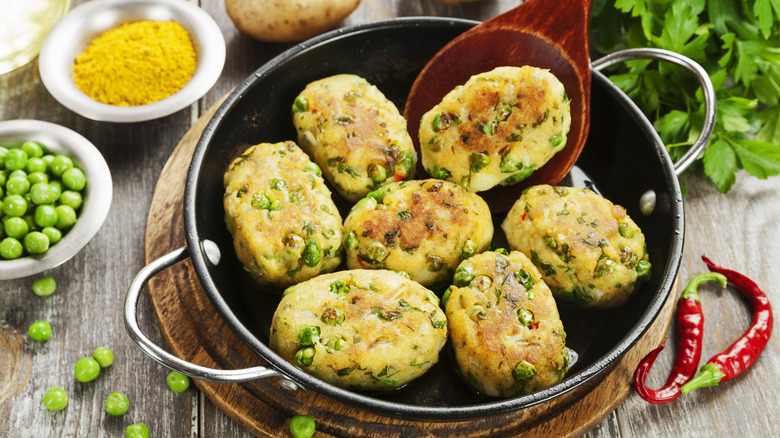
(117, 404)
(40, 331)
(302, 426)
(55, 399)
(104, 356)
(137, 430)
(10, 248)
(44, 286)
(86, 369)
(177, 381)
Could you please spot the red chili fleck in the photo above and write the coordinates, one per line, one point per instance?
(743, 353)
(689, 328)
(534, 325)
(399, 176)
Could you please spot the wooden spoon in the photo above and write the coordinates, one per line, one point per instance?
(541, 33)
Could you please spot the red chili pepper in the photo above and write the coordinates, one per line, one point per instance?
(689, 325)
(736, 359)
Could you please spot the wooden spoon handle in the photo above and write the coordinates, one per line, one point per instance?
(561, 23)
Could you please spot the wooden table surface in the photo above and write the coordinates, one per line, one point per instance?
(740, 230)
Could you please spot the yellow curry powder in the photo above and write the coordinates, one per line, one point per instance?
(136, 63)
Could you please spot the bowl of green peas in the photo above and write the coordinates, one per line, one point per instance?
(55, 194)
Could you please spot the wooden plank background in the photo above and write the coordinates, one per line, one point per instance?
(740, 230)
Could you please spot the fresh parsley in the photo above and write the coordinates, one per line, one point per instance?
(737, 42)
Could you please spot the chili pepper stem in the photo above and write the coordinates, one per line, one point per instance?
(709, 375)
(690, 289)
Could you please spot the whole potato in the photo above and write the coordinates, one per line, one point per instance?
(287, 20)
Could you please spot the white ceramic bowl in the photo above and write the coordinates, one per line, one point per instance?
(89, 20)
(96, 195)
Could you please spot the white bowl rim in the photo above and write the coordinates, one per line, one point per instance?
(82, 24)
(97, 194)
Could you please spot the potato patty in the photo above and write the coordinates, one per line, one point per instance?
(354, 133)
(497, 128)
(590, 251)
(424, 228)
(506, 332)
(285, 226)
(360, 329)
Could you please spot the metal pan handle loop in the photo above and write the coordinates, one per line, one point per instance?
(169, 360)
(710, 103)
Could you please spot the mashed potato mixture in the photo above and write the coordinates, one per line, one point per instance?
(497, 128)
(590, 251)
(360, 329)
(506, 331)
(356, 135)
(425, 228)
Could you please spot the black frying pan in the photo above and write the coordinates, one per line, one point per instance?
(623, 159)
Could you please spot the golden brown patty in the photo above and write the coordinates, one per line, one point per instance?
(360, 329)
(590, 251)
(424, 228)
(354, 133)
(497, 128)
(285, 226)
(505, 328)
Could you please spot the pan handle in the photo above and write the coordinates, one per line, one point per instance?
(710, 103)
(171, 361)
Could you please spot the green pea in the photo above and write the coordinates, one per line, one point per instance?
(15, 159)
(312, 253)
(377, 173)
(336, 343)
(523, 372)
(502, 251)
(276, 184)
(104, 356)
(14, 205)
(446, 296)
(3, 151)
(60, 164)
(525, 279)
(55, 399)
(137, 430)
(17, 186)
(16, 227)
(312, 168)
(53, 234)
(376, 252)
(32, 149)
(308, 335)
(332, 316)
(478, 161)
(42, 193)
(36, 242)
(557, 139)
(351, 240)
(117, 404)
(468, 250)
(45, 216)
(477, 312)
(3, 174)
(74, 179)
(300, 104)
(302, 426)
(463, 275)
(11, 248)
(482, 282)
(29, 218)
(48, 158)
(56, 190)
(305, 356)
(643, 270)
(40, 331)
(66, 216)
(177, 382)
(18, 173)
(339, 287)
(260, 200)
(86, 369)
(625, 230)
(44, 286)
(525, 317)
(37, 177)
(440, 172)
(435, 262)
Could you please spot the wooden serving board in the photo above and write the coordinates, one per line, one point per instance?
(195, 332)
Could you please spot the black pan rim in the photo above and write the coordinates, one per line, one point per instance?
(201, 263)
